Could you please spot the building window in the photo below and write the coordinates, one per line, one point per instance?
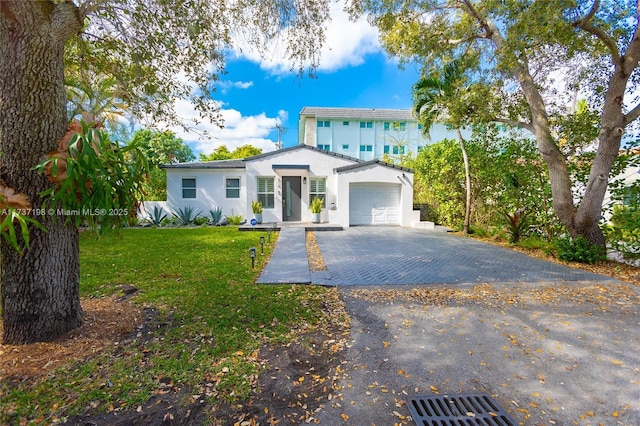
(345, 123)
(324, 123)
(419, 126)
(188, 187)
(366, 148)
(345, 146)
(395, 126)
(266, 192)
(420, 148)
(386, 149)
(366, 124)
(232, 185)
(325, 147)
(398, 150)
(318, 188)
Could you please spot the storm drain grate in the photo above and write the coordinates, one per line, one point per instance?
(458, 410)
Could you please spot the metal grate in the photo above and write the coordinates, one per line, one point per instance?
(458, 410)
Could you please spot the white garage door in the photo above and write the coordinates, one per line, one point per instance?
(374, 204)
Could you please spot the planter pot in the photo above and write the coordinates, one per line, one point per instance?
(258, 217)
(315, 217)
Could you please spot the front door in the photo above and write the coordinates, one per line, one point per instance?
(291, 201)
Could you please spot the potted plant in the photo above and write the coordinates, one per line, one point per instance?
(316, 209)
(256, 208)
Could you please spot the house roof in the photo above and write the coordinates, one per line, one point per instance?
(358, 113)
(370, 163)
(219, 164)
(242, 163)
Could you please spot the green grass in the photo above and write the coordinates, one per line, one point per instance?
(201, 281)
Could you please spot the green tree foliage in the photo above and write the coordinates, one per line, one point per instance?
(431, 97)
(507, 173)
(159, 52)
(160, 148)
(96, 181)
(528, 60)
(223, 153)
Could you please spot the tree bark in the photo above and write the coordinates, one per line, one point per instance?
(467, 178)
(40, 289)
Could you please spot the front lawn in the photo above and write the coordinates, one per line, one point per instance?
(202, 323)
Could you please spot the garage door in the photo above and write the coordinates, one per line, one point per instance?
(374, 204)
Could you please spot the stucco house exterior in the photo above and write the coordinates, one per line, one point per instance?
(366, 133)
(355, 191)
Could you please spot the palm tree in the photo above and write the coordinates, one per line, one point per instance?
(431, 96)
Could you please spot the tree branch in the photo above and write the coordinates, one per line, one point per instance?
(631, 115)
(514, 123)
(89, 7)
(585, 24)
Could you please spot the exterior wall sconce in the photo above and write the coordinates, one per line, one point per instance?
(304, 180)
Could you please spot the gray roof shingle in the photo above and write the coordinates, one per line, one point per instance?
(358, 113)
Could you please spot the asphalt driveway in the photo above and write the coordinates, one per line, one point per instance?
(434, 313)
(405, 256)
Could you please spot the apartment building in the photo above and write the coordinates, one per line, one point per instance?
(366, 133)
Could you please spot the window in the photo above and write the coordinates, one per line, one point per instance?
(366, 124)
(326, 147)
(366, 148)
(266, 192)
(324, 123)
(395, 126)
(232, 185)
(419, 126)
(398, 150)
(345, 123)
(188, 187)
(420, 148)
(345, 146)
(318, 188)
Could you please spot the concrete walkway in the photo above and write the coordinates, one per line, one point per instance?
(288, 263)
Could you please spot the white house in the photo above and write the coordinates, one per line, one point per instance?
(356, 192)
(366, 133)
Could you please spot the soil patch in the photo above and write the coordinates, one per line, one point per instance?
(107, 321)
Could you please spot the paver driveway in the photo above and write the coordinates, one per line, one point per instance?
(405, 256)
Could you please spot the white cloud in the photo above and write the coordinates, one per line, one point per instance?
(347, 44)
(238, 129)
(225, 85)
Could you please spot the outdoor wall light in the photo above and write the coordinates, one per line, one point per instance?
(304, 180)
(252, 255)
(262, 245)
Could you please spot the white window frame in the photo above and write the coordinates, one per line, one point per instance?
(314, 191)
(263, 196)
(227, 188)
(193, 188)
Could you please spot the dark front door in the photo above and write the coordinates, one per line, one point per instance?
(291, 201)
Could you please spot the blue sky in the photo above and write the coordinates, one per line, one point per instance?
(257, 93)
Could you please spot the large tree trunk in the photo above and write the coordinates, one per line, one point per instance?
(40, 289)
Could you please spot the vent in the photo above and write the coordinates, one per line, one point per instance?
(458, 410)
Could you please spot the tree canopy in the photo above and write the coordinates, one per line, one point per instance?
(154, 52)
(223, 153)
(528, 62)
